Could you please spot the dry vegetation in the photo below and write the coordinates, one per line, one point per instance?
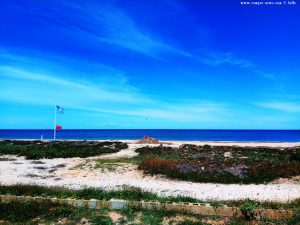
(221, 164)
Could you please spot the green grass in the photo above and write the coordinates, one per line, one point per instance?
(188, 222)
(154, 217)
(111, 164)
(134, 160)
(59, 149)
(45, 212)
(295, 204)
(248, 208)
(134, 194)
(238, 222)
(35, 212)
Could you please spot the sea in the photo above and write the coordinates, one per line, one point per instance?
(160, 134)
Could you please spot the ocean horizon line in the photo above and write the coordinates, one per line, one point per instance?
(160, 134)
(213, 129)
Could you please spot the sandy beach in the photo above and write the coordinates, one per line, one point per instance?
(79, 173)
(231, 143)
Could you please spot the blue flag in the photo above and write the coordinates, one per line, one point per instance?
(59, 109)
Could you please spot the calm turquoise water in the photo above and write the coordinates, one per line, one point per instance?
(185, 135)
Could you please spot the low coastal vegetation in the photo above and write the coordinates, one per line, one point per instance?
(221, 164)
(46, 212)
(131, 194)
(59, 149)
(36, 212)
(213, 164)
(134, 194)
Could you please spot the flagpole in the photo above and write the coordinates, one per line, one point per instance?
(54, 132)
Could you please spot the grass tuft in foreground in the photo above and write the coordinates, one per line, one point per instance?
(134, 194)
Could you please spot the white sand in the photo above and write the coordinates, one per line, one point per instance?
(242, 144)
(18, 171)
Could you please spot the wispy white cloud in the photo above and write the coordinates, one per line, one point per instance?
(108, 24)
(123, 31)
(99, 98)
(37, 80)
(40, 89)
(112, 25)
(213, 58)
(217, 59)
(270, 76)
(33, 86)
(197, 112)
(290, 107)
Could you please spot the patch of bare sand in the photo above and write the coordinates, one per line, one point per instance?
(292, 180)
(115, 216)
(180, 218)
(226, 143)
(241, 144)
(129, 152)
(120, 171)
(177, 219)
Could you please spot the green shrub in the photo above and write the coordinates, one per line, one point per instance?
(24, 211)
(296, 155)
(215, 204)
(46, 212)
(59, 149)
(237, 222)
(102, 220)
(188, 222)
(248, 208)
(157, 150)
(206, 148)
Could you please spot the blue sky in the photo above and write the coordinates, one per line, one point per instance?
(149, 64)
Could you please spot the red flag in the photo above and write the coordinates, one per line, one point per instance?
(58, 127)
